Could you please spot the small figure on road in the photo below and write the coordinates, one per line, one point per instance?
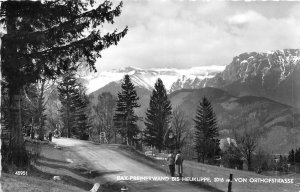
(56, 133)
(178, 162)
(50, 136)
(171, 163)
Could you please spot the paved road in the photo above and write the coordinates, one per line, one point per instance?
(111, 164)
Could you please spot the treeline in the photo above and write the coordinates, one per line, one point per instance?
(165, 128)
(294, 156)
(39, 44)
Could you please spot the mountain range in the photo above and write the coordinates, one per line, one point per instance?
(274, 75)
(261, 85)
(146, 78)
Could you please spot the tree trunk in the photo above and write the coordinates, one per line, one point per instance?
(68, 117)
(127, 129)
(17, 150)
(16, 153)
(249, 163)
(40, 110)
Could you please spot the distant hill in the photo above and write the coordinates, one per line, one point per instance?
(279, 123)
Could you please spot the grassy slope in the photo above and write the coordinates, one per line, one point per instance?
(194, 169)
(274, 118)
(157, 164)
(202, 170)
(75, 174)
(12, 183)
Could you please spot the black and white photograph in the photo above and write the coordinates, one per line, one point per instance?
(150, 96)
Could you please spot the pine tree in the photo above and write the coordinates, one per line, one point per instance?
(74, 102)
(206, 131)
(67, 97)
(158, 117)
(291, 157)
(124, 118)
(297, 155)
(81, 106)
(44, 38)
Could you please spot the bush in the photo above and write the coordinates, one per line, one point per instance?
(84, 137)
(231, 158)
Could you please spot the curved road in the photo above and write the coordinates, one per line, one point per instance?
(110, 164)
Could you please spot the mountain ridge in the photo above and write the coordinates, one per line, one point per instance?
(274, 75)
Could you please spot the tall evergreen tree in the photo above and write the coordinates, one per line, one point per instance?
(125, 118)
(206, 131)
(44, 38)
(74, 100)
(158, 117)
(297, 155)
(67, 96)
(291, 157)
(81, 102)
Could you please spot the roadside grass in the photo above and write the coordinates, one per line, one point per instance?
(157, 164)
(75, 174)
(194, 169)
(11, 183)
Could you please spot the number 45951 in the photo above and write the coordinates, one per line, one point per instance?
(21, 173)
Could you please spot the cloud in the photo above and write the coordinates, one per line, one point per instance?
(187, 34)
(244, 18)
(252, 30)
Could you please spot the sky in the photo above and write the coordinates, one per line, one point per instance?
(193, 33)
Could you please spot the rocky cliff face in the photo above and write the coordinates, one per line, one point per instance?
(274, 75)
(269, 68)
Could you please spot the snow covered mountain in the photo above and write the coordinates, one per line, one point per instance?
(146, 78)
(274, 75)
(270, 69)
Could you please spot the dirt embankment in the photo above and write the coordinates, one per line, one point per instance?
(75, 175)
